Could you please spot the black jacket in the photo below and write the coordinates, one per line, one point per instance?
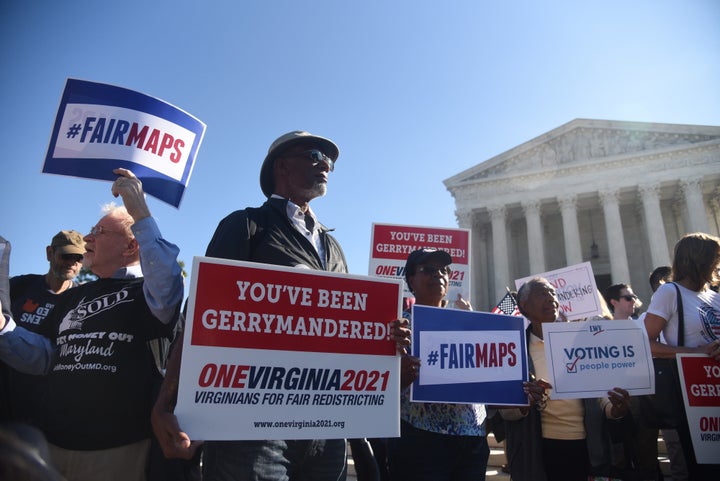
(265, 234)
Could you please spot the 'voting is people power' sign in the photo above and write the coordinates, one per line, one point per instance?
(101, 127)
(280, 353)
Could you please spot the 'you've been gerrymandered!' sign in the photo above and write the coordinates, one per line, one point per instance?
(280, 353)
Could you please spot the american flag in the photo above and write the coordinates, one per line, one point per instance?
(506, 306)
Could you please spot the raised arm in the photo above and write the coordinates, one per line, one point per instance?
(163, 286)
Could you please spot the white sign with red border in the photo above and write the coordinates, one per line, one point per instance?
(391, 244)
(575, 289)
(274, 352)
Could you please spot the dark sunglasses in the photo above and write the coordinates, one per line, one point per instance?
(432, 270)
(316, 156)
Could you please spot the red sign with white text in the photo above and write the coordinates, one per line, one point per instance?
(391, 245)
(702, 381)
(397, 241)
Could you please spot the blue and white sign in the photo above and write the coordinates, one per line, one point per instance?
(586, 359)
(101, 127)
(469, 357)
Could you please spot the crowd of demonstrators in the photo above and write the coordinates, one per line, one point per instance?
(548, 440)
(438, 441)
(690, 297)
(283, 231)
(94, 345)
(100, 374)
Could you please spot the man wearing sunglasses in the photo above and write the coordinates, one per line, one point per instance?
(622, 301)
(283, 231)
(32, 297)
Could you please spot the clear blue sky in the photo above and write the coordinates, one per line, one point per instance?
(413, 92)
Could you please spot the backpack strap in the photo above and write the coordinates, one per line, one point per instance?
(681, 321)
(257, 224)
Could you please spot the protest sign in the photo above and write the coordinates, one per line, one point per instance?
(274, 352)
(100, 127)
(700, 385)
(468, 357)
(586, 359)
(391, 244)
(575, 289)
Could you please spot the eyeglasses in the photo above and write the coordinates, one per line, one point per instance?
(316, 157)
(629, 298)
(96, 230)
(432, 270)
(72, 257)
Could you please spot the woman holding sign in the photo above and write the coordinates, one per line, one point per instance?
(687, 312)
(439, 442)
(548, 440)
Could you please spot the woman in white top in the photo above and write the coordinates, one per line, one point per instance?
(695, 267)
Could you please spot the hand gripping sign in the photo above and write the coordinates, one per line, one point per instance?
(101, 127)
(279, 353)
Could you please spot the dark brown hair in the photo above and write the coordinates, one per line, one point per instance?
(696, 259)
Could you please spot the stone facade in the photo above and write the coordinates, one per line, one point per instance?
(617, 194)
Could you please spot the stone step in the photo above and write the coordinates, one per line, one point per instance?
(497, 459)
(494, 469)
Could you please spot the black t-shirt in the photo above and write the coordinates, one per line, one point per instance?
(99, 392)
(31, 304)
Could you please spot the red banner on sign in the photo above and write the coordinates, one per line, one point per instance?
(396, 242)
(702, 381)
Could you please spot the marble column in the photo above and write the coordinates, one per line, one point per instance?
(481, 282)
(715, 207)
(571, 231)
(500, 251)
(536, 247)
(465, 220)
(619, 270)
(654, 224)
(696, 216)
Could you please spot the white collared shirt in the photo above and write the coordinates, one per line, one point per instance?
(297, 217)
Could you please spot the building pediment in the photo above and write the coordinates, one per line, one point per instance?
(585, 141)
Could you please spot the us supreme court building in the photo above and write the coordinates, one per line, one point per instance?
(616, 194)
